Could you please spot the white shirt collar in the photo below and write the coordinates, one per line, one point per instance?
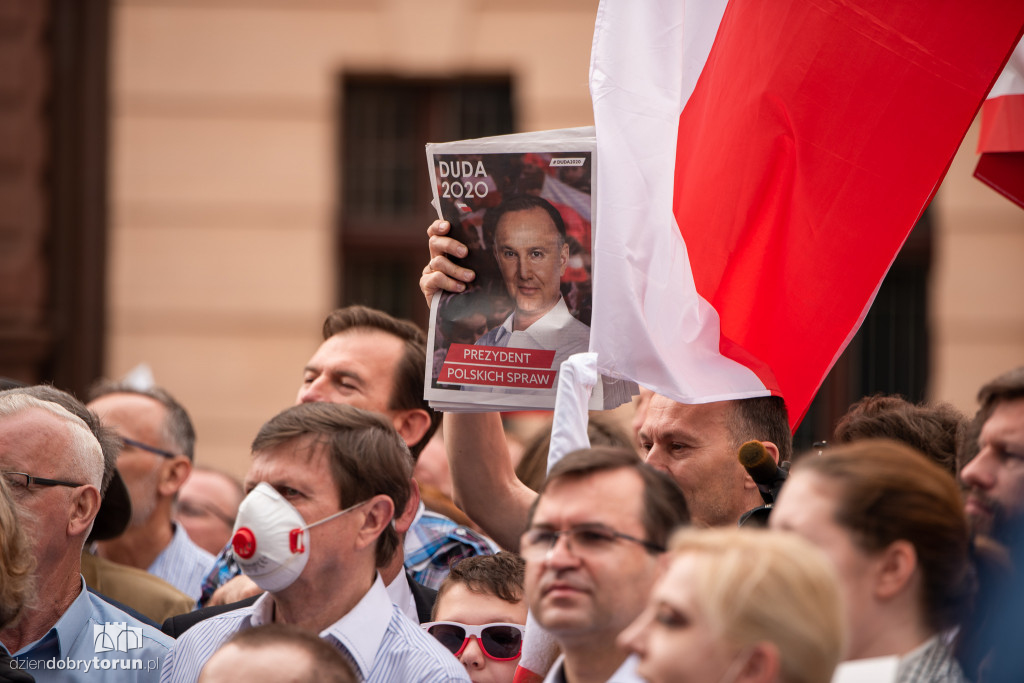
(401, 595)
(546, 331)
(360, 632)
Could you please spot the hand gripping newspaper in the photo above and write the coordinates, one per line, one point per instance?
(524, 207)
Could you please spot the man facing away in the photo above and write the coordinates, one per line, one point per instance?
(313, 531)
(55, 469)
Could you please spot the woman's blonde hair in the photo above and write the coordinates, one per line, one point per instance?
(759, 586)
(16, 561)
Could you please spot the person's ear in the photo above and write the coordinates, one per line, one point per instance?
(404, 518)
(895, 569)
(412, 425)
(173, 475)
(563, 257)
(773, 451)
(377, 513)
(85, 505)
(762, 664)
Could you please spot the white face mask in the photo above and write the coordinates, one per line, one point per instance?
(271, 540)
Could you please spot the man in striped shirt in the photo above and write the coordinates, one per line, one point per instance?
(309, 466)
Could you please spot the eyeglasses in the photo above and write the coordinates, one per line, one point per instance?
(146, 447)
(499, 641)
(188, 508)
(20, 480)
(587, 539)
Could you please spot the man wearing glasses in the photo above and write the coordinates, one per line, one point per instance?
(596, 531)
(159, 441)
(55, 470)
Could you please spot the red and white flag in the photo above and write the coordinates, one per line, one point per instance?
(1001, 142)
(760, 164)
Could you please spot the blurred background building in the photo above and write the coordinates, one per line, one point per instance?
(194, 184)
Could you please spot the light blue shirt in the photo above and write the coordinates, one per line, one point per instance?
(183, 564)
(381, 642)
(94, 642)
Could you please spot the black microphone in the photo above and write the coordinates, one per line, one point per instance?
(761, 467)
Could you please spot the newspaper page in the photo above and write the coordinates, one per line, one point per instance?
(523, 205)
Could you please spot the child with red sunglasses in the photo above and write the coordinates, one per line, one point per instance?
(480, 615)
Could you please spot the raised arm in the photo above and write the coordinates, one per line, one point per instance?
(485, 482)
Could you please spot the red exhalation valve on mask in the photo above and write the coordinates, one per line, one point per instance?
(244, 543)
(295, 541)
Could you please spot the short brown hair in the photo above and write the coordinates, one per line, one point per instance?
(407, 393)
(888, 492)
(328, 664)
(1008, 386)
(664, 505)
(601, 431)
(763, 418)
(932, 429)
(366, 455)
(501, 575)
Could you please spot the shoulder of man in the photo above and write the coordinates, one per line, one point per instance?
(190, 652)
(140, 590)
(175, 626)
(408, 653)
(103, 614)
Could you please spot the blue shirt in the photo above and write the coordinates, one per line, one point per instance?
(382, 643)
(182, 564)
(434, 543)
(93, 641)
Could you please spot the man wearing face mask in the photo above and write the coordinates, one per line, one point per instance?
(313, 530)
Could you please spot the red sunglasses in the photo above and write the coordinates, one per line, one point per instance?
(501, 642)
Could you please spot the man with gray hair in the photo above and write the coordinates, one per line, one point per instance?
(54, 466)
(159, 444)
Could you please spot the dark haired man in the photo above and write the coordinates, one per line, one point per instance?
(592, 549)
(159, 445)
(313, 531)
(371, 360)
(992, 461)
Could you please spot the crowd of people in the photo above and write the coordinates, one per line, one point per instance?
(897, 546)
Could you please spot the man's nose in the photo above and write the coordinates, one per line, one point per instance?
(979, 472)
(313, 392)
(561, 553)
(655, 458)
(524, 271)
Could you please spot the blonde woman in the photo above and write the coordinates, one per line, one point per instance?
(740, 605)
(16, 566)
